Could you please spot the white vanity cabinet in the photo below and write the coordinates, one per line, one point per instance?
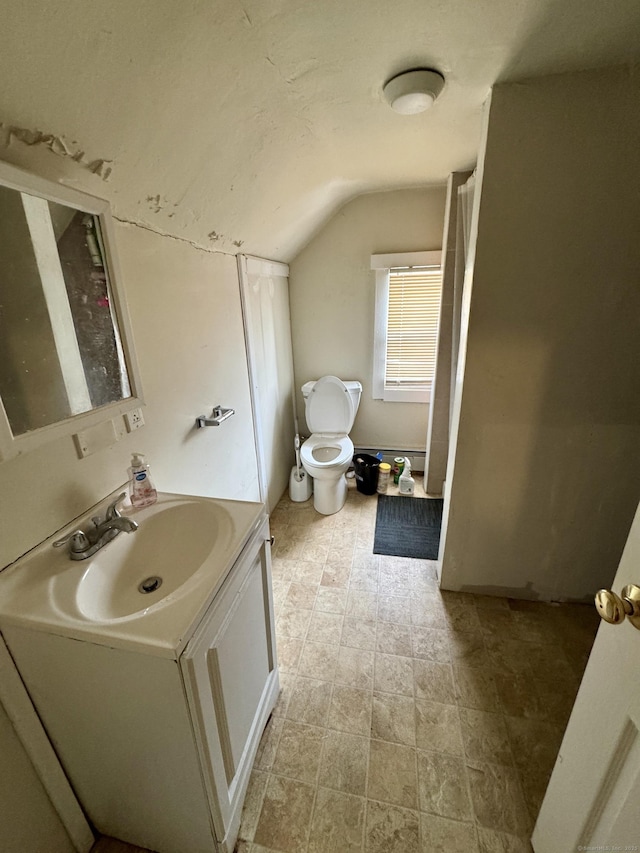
(159, 746)
(229, 670)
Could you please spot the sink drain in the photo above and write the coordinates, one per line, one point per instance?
(150, 584)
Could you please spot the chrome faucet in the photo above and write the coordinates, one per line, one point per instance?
(83, 544)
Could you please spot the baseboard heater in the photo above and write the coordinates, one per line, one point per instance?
(415, 457)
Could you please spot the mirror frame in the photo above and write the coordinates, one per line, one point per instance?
(13, 445)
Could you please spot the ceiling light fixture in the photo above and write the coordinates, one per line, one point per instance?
(413, 91)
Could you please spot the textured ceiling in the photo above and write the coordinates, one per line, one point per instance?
(243, 125)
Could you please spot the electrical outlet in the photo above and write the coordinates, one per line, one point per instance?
(134, 419)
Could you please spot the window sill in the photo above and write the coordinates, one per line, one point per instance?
(404, 395)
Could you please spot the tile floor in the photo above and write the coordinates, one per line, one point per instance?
(410, 720)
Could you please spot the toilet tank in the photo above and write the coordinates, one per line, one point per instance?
(325, 407)
(355, 392)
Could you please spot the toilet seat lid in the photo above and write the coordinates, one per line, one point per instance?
(329, 407)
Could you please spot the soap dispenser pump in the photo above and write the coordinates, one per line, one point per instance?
(143, 492)
(406, 483)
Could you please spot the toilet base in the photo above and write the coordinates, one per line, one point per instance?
(329, 496)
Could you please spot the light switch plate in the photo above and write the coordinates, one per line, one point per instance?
(134, 419)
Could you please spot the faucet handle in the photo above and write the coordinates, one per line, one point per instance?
(112, 509)
(78, 539)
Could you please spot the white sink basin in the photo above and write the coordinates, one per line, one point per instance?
(190, 543)
(170, 545)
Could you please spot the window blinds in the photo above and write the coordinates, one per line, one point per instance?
(412, 330)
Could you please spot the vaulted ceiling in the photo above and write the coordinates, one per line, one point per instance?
(243, 124)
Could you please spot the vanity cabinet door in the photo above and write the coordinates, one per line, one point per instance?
(231, 680)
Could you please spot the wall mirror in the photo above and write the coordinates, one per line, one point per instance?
(66, 351)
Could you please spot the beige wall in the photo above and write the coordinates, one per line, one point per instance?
(547, 469)
(28, 821)
(187, 326)
(332, 291)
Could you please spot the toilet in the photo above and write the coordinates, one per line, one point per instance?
(330, 407)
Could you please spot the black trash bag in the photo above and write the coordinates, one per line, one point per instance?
(367, 469)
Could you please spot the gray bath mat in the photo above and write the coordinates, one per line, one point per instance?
(408, 527)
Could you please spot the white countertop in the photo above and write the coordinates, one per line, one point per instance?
(39, 591)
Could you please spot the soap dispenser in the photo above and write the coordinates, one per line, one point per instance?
(142, 490)
(406, 483)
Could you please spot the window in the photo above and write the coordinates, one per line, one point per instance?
(408, 292)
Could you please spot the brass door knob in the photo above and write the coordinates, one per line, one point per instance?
(613, 608)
